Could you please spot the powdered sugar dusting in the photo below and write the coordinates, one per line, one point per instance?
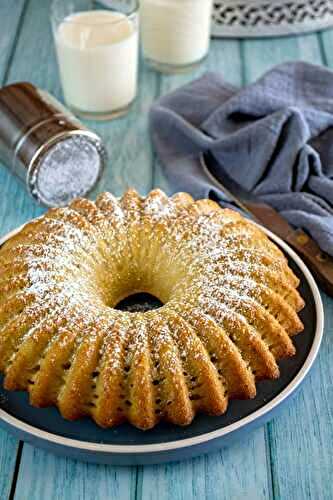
(79, 262)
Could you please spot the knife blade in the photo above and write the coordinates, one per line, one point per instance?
(320, 263)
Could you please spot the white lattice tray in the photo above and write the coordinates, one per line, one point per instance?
(256, 18)
(242, 18)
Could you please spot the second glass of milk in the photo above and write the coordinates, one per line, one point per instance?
(97, 53)
(175, 33)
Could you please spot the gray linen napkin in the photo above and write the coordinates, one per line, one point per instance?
(275, 137)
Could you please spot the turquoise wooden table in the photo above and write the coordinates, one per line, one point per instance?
(292, 456)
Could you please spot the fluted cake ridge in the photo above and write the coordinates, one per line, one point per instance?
(230, 305)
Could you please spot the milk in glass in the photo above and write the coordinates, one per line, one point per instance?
(98, 57)
(175, 33)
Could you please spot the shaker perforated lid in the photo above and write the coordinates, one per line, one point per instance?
(46, 146)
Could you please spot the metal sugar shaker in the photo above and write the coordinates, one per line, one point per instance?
(44, 145)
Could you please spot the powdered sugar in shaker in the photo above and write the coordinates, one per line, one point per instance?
(46, 146)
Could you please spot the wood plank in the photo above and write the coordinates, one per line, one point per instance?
(326, 45)
(215, 476)
(8, 453)
(43, 475)
(241, 471)
(302, 437)
(261, 55)
(233, 473)
(10, 15)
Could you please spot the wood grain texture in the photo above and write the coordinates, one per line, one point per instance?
(8, 452)
(26, 63)
(11, 17)
(46, 477)
(127, 140)
(326, 44)
(218, 476)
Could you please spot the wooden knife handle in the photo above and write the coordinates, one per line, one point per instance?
(320, 263)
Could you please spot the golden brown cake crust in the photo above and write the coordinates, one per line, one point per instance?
(230, 309)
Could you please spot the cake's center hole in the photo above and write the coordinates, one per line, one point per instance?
(139, 302)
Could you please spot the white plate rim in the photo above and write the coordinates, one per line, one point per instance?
(208, 436)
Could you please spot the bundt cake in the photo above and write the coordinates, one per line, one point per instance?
(229, 308)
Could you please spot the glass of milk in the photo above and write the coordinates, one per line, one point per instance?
(97, 51)
(175, 33)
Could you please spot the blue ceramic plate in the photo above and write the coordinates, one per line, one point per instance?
(126, 445)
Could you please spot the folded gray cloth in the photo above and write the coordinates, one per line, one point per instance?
(275, 137)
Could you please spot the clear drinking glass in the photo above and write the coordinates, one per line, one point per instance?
(175, 33)
(97, 52)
